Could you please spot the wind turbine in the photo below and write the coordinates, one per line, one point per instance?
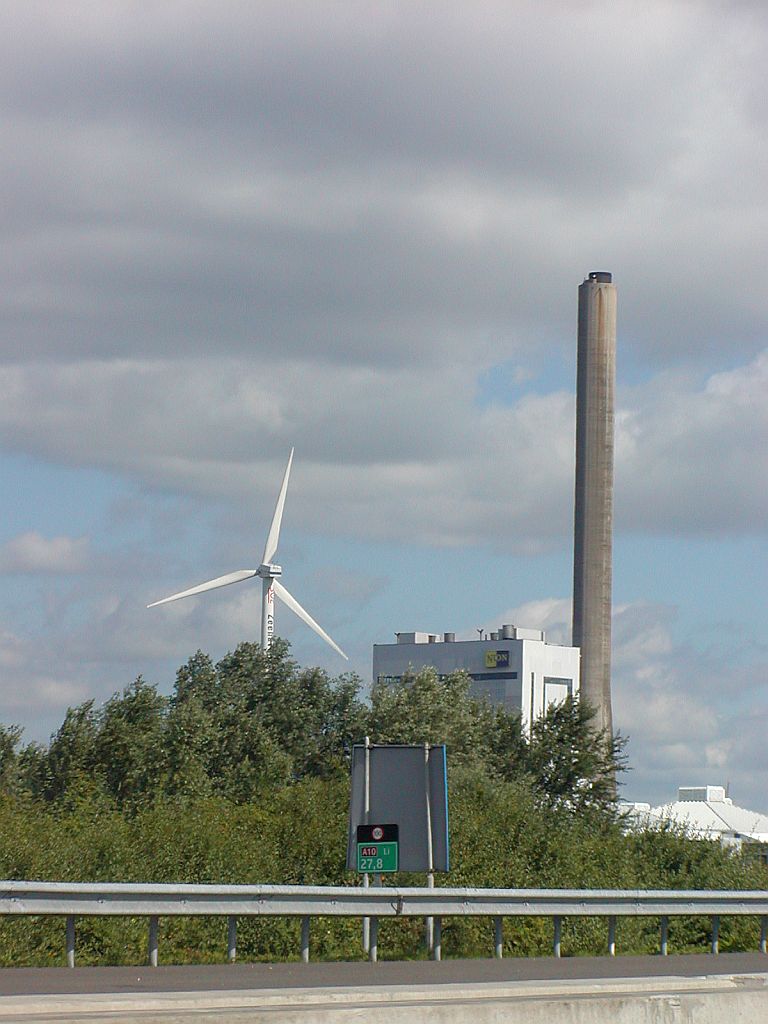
(271, 585)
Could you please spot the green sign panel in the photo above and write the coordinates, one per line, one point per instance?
(377, 848)
(372, 857)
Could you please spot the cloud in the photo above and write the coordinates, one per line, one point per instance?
(239, 180)
(402, 455)
(692, 716)
(552, 614)
(36, 686)
(31, 553)
(699, 454)
(238, 231)
(233, 229)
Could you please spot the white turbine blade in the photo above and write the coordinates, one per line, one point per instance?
(295, 607)
(273, 536)
(220, 581)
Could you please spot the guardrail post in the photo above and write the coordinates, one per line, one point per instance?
(715, 948)
(305, 940)
(612, 935)
(664, 934)
(557, 922)
(70, 941)
(437, 937)
(499, 938)
(763, 934)
(232, 939)
(153, 929)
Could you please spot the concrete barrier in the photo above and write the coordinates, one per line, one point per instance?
(703, 1000)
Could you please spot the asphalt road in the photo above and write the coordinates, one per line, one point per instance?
(222, 977)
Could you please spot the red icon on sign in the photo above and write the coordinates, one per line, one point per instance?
(377, 832)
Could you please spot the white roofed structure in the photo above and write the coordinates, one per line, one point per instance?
(705, 812)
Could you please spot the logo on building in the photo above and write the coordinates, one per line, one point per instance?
(497, 659)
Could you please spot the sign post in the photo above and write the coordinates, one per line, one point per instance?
(366, 819)
(405, 785)
(430, 921)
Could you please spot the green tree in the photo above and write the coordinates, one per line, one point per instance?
(128, 749)
(71, 754)
(10, 737)
(422, 708)
(256, 720)
(197, 680)
(571, 764)
(189, 739)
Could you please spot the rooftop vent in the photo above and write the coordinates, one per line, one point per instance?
(706, 794)
(413, 638)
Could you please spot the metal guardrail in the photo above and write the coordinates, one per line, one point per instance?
(73, 899)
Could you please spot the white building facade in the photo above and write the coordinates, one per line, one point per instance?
(513, 667)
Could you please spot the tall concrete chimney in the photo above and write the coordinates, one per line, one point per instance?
(593, 518)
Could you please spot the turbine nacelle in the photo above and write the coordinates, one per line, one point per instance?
(268, 572)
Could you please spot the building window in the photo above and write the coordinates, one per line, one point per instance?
(559, 681)
(477, 676)
(499, 690)
(556, 689)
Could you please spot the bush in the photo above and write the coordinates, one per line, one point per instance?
(241, 776)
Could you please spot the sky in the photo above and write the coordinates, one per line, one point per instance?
(359, 229)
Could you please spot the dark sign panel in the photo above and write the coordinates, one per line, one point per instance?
(406, 788)
(377, 833)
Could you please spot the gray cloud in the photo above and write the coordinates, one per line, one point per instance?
(90, 638)
(696, 456)
(694, 717)
(401, 455)
(228, 229)
(690, 719)
(381, 186)
(32, 553)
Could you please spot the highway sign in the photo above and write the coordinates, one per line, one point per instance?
(378, 848)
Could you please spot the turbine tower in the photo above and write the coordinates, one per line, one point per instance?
(270, 584)
(593, 512)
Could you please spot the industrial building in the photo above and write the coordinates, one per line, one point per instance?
(706, 812)
(513, 667)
